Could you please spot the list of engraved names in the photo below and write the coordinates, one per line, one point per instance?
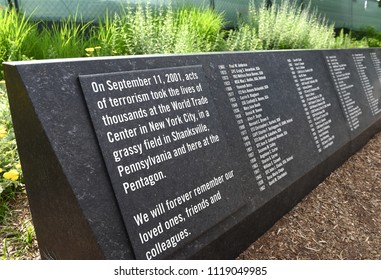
(341, 77)
(374, 104)
(248, 90)
(314, 103)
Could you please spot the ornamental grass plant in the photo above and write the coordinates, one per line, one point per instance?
(15, 31)
(144, 29)
(65, 39)
(285, 25)
(370, 35)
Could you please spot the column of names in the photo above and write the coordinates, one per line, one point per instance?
(377, 65)
(341, 76)
(248, 91)
(314, 103)
(359, 60)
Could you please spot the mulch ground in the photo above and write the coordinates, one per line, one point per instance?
(340, 219)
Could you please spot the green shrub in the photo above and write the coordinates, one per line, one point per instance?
(150, 30)
(346, 41)
(10, 169)
(14, 32)
(284, 25)
(370, 35)
(64, 39)
(244, 39)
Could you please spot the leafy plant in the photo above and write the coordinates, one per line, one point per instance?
(147, 30)
(14, 32)
(10, 168)
(11, 183)
(284, 25)
(64, 39)
(370, 35)
(345, 41)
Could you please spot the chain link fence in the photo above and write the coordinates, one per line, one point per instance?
(92, 10)
(345, 13)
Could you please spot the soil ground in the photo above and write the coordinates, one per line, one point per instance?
(340, 219)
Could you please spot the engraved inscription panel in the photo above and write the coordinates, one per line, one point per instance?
(161, 140)
(284, 120)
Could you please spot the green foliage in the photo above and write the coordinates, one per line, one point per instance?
(21, 39)
(10, 168)
(144, 29)
(148, 30)
(62, 39)
(244, 39)
(10, 185)
(346, 41)
(15, 30)
(284, 25)
(370, 35)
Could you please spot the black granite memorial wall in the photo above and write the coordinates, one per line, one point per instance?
(183, 156)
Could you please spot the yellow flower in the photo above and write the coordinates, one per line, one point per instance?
(12, 174)
(1, 170)
(90, 50)
(18, 166)
(2, 82)
(3, 132)
(97, 47)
